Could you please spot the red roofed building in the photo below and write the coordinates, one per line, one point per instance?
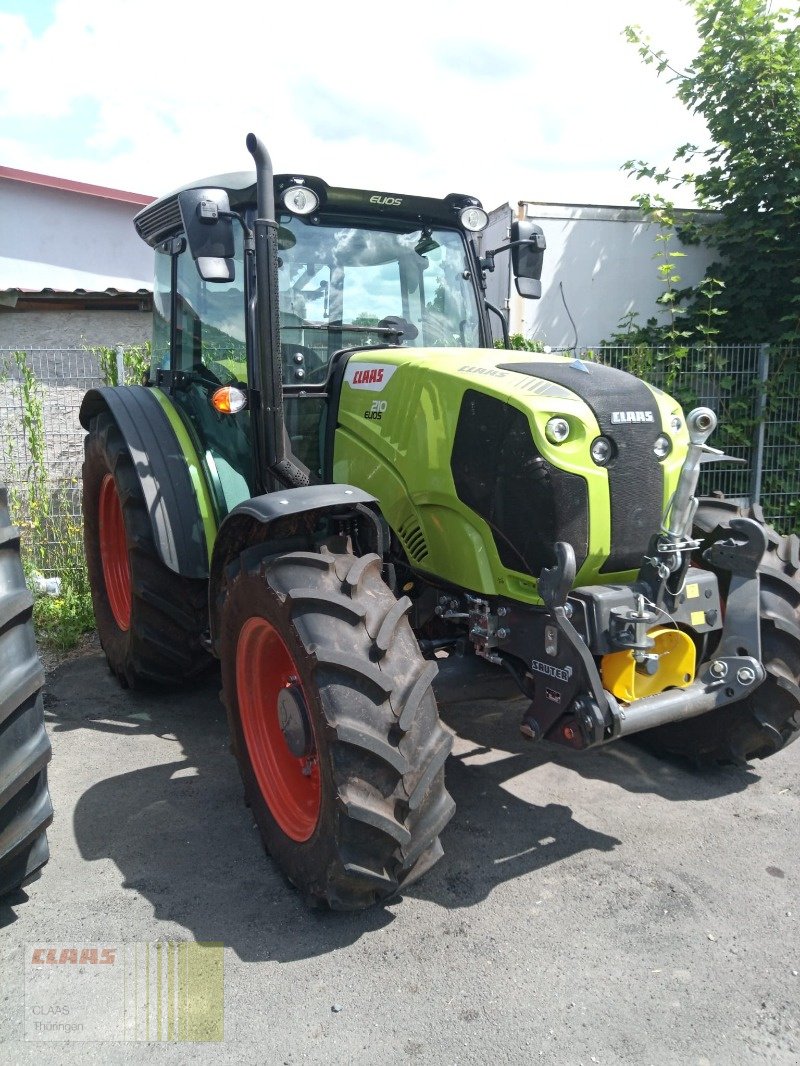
(73, 272)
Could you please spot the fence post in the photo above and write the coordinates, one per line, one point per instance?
(120, 365)
(757, 462)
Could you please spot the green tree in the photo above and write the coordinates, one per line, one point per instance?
(745, 83)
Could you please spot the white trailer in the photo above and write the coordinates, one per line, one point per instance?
(600, 264)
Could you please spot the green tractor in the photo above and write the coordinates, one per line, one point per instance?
(334, 484)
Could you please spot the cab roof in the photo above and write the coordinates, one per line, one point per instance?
(161, 219)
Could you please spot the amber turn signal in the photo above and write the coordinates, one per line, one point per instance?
(229, 400)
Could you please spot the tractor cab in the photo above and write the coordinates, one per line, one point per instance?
(352, 269)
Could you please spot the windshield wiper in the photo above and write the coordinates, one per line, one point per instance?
(391, 326)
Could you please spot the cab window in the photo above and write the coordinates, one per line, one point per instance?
(211, 351)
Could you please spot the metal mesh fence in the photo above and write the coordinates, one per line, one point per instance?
(777, 440)
(41, 449)
(61, 378)
(755, 392)
(724, 379)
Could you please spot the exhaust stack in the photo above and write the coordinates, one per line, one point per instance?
(275, 455)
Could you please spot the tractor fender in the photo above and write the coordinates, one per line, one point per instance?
(286, 520)
(168, 475)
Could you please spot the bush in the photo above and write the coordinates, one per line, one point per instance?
(519, 343)
(61, 621)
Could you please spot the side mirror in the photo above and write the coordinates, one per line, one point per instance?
(527, 258)
(205, 214)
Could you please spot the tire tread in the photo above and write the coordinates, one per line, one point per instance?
(25, 807)
(387, 746)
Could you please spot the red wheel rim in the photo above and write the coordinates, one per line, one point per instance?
(289, 784)
(114, 554)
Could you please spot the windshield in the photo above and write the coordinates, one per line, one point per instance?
(334, 276)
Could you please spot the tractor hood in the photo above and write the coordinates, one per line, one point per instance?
(460, 448)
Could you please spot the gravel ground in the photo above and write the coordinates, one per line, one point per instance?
(604, 908)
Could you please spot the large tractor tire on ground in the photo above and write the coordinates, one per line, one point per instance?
(25, 808)
(149, 619)
(769, 719)
(334, 724)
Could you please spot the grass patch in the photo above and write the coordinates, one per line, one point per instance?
(60, 621)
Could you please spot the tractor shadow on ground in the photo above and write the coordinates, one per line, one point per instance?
(494, 725)
(9, 905)
(496, 836)
(175, 826)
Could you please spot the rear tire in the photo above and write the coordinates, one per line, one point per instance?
(355, 813)
(25, 807)
(149, 619)
(769, 719)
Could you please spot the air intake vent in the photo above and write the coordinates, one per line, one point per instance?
(158, 221)
(413, 540)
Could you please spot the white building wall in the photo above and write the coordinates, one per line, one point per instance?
(53, 238)
(603, 259)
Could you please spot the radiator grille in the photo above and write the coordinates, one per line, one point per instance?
(527, 503)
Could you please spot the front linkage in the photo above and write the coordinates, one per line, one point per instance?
(648, 674)
(623, 622)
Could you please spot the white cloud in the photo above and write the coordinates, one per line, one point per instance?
(516, 101)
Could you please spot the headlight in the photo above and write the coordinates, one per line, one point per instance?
(601, 450)
(474, 219)
(557, 430)
(662, 448)
(300, 200)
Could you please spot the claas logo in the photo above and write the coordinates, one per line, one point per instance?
(364, 377)
(621, 418)
(59, 956)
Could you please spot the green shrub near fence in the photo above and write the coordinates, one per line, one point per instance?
(135, 362)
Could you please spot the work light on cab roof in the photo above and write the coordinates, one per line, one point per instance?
(300, 200)
(474, 219)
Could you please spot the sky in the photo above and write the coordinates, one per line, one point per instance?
(507, 101)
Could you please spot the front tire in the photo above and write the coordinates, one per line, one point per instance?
(149, 619)
(334, 724)
(769, 719)
(25, 807)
